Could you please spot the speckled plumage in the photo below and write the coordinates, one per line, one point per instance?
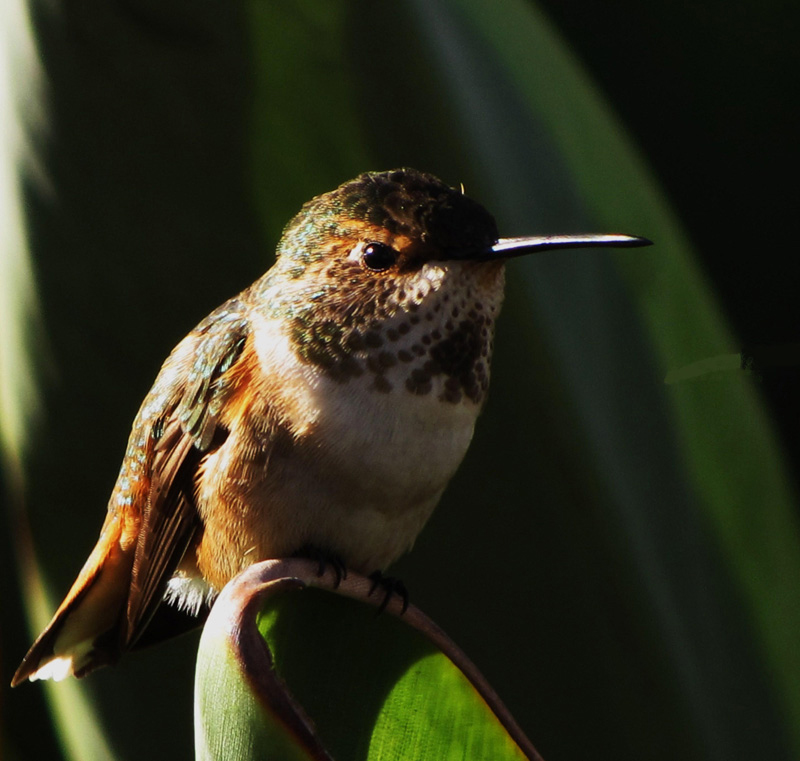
(327, 406)
(351, 322)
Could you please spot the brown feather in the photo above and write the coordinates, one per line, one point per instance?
(169, 524)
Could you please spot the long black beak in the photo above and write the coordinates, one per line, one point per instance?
(506, 248)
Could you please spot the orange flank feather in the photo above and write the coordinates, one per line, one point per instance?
(252, 415)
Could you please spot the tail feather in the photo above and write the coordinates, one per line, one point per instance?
(87, 629)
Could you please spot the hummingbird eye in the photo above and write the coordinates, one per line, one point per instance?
(378, 256)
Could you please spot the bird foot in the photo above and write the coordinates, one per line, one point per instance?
(391, 587)
(324, 560)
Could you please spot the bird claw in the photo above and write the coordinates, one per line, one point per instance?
(391, 587)
(324, 560)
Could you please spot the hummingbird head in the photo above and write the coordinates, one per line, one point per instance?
(398, 276)
(404, 206)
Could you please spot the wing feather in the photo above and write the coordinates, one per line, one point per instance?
(170, 521)
(152, 518)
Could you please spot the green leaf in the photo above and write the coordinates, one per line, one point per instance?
(337, 679)
(230, 721)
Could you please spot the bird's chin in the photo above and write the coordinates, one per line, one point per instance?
(489, 274)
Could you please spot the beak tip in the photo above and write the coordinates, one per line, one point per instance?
(638, 241)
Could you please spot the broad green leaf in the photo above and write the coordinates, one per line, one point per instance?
(230, 720)
(355, 685)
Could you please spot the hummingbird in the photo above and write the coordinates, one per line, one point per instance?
(324, 409)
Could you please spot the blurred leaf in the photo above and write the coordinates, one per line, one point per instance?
(359, 685)
(21, 348)
(19, 307)
(723, 437)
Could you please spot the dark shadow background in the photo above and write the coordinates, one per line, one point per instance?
(706, 88)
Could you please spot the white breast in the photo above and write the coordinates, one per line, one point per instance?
(393, 441)
(370, 465)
